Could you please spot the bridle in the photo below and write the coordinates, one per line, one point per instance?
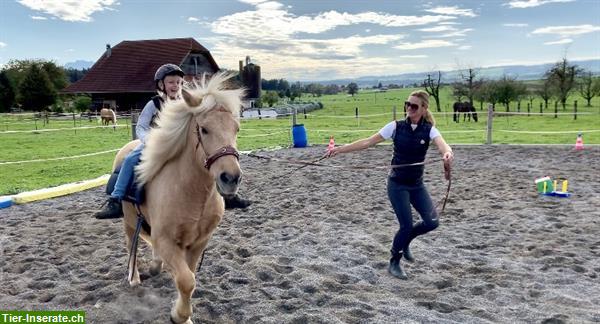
(223, 151)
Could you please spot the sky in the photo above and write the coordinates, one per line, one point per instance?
(312, 40)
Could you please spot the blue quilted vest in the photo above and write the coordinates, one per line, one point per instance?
(410, 146)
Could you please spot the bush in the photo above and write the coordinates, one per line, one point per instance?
(83, 103)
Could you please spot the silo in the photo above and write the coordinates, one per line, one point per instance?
(251, 79)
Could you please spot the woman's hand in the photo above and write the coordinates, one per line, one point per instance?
(333, 152)
(448, 158)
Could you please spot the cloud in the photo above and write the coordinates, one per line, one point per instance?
(38, 18)
(520, 4)
(452, 11)
(464, 47)
(80, 10)
(413, 56)
(515, 25)
(430, 43)
(193, 19)
(559, 42)
(438, 29)
(3, 45)
(567, 31)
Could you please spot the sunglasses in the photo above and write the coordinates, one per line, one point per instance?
(411, 105)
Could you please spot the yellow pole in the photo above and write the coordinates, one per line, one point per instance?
(565, 185)
(555, 185)
(545, 185)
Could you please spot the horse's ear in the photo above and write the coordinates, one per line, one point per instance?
(190, 100)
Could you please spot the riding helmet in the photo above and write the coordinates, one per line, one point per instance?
(167, 69)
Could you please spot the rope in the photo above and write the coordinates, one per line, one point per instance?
(59, 158)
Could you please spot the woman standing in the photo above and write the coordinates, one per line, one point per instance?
(405, 184)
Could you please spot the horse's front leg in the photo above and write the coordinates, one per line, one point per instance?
(185, 281)
(157, 263)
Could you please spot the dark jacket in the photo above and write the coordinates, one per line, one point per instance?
(410, 146)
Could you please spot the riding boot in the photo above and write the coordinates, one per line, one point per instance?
(407, 255)
(236, 201)
(395, 268)
(112, 209)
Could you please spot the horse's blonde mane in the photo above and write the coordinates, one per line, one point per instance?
(169, 137)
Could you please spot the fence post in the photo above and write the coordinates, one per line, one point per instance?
(541, 106)
(490, 121)
(294, 112)
(259, 115)
(556, 109)
(394, 113)
(74, 124)
(518, 106)
(528, 109)
(357, 120)
(305, 114)
(134, 120)
(575, 110)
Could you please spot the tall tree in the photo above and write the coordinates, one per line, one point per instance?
(563, 77)
(586, 87)
(545, 91)
(7, 93)
(36, 90)
(432, 87)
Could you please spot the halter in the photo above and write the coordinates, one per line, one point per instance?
(223, 151)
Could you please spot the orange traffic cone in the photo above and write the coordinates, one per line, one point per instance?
(579, 142)
(331, 144)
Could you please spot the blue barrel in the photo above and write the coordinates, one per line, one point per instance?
(299, 135)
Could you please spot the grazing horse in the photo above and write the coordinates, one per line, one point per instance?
(464, 107)
(108, 116)
(189, 160)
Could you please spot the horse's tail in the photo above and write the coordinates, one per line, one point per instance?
(114, 117)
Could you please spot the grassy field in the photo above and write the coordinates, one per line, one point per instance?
(337, 119)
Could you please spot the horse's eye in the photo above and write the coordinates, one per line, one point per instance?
(204, 131)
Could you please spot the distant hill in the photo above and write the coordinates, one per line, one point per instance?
(79, 65)
(521, 72)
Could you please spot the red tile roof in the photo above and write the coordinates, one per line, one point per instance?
(131, 65)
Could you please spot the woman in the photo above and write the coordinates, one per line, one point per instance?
(405, 183)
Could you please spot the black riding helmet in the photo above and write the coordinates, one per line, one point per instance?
(166, 70)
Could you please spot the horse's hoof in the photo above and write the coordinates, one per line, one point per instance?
(174, 321)
(135, 282)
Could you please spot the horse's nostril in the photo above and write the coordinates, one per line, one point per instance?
(229, 178)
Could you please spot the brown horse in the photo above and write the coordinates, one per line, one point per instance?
(466, 108)
(188, 159)
(108, 116)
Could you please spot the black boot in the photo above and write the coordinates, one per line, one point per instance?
(236, 201)
(407, 255)
(112, 209)
(395, 268)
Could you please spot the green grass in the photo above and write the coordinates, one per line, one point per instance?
(336, 119)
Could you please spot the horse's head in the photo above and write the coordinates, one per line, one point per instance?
(200, 129)
(214, 130)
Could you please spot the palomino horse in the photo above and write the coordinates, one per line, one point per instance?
(464, 107)
(108, 116)
(189, 158)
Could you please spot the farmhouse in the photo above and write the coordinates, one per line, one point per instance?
(122, 78)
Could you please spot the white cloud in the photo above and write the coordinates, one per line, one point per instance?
(559, 42)
(464, 47)
(367, 30)
(69, 50)
(269, 5)
(3, 45)
(430, 43)
(80, 10)
(193, 19)
(515, 25)
(413, 56)
(452, 11)
(438, 29)
(38, 18)
(520, 4)
(567, 31)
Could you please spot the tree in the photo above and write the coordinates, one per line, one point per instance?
(295, 91)
(74, 75)
(490, 92)
(433, 88)
(270, 98)
(352, 88)
(586, 87)
(83, 103)
(36, 90)
(509, 90)
(563, 77)
(470, 85)
(56, 74)
(7, 93)
(545, 91)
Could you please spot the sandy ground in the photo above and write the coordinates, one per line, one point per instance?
(313, 248)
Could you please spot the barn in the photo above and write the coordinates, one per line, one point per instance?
(122, 78)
